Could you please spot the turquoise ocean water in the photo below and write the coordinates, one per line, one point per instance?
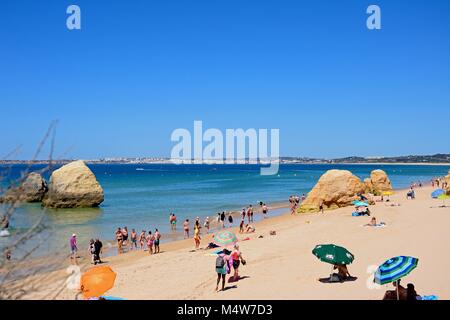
(142, 196)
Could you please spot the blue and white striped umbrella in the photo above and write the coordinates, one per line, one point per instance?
(395, 269)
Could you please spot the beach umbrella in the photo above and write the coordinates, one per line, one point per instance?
(333, 254)
(436, 193)
(394, 269)
(443, 197)
(96, 281)
(225, 238)
(360, 204)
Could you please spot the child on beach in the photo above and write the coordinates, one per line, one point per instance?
(156, 242)
(73, 247)
(186, 228)
(150, 242)
(142, 240)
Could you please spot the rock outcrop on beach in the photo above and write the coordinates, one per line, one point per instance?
(73, 185)
(335, 189)
(32, 189)
(368, 185)
(380, 182)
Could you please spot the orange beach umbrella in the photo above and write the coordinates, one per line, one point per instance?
(96, 281)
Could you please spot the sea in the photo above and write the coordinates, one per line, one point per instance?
(141, 196)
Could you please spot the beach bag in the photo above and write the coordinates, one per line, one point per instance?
(220, 262)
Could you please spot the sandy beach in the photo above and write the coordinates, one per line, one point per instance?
(283, 267)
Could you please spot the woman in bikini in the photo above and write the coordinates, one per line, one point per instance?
(150, 241)
(186, 228)
(237, 258)
(142, 240)
(119, 238)
(197, 237)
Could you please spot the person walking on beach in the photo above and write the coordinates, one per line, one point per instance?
(73, 247)
(150, 242)
(133, 239)
(230, 220)
(222, 219)
(142, 240)
(236, 256)
(248, 213)
(198, 225)
(119, 238)
(221, 268)
(244, 211)
(186, 228)
(98, 245)
(241, 226)
(206, 225)
(157, 239)
(251, 213)
(197, 237)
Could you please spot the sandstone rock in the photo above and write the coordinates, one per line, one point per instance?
(380, 182)
(32, 189)
(73, 185)
(447, 180)
(335, 189)
(368, 185)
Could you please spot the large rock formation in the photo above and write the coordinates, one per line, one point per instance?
(32, 189)
(335, 189)
(380, 182)
(73, 185)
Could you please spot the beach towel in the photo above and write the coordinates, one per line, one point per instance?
(432, 297)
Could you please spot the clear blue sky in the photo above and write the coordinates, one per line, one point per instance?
(139, 69)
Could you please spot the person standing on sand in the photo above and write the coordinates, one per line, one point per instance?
(241, 226)
(119, 238)
(230, 220)
(91, 251)
(265, 210)
(197, 224)
(133, 239)
(186, 228)
(244, 211)
(222, 219)
(125, 236)
(197, 237)
(251, 213)
(142, 240)
(206, 225)
(73, 247)
(98, 245)
(157, 238)
(150, 242)
(173, 222)
(321, 207)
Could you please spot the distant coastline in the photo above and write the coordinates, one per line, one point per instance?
(437, 159)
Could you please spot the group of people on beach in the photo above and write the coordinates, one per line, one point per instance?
(145, 239)
(225, 262)
(439, 182)
(295, 201)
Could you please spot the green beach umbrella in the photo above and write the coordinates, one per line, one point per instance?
(333, 254)
(443, 197)
(225, 238)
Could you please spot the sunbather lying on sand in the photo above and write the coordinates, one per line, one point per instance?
(249, 228)
(373, 223)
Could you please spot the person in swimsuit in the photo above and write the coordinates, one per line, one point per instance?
(142, 240)
(241, 226)
(119, 238)
(125, 236)
(73, 247)
(173, 222)
(343, 273)
(197, 237)
(244, 210)
(230, 220)
(265, 210)
(91, 251)
(150, 242)
(133, 239)
(186, 228)
(237, 258)
(222, 219)
(249, 228)
(206, 224)
(156, 242)
(251, 213)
